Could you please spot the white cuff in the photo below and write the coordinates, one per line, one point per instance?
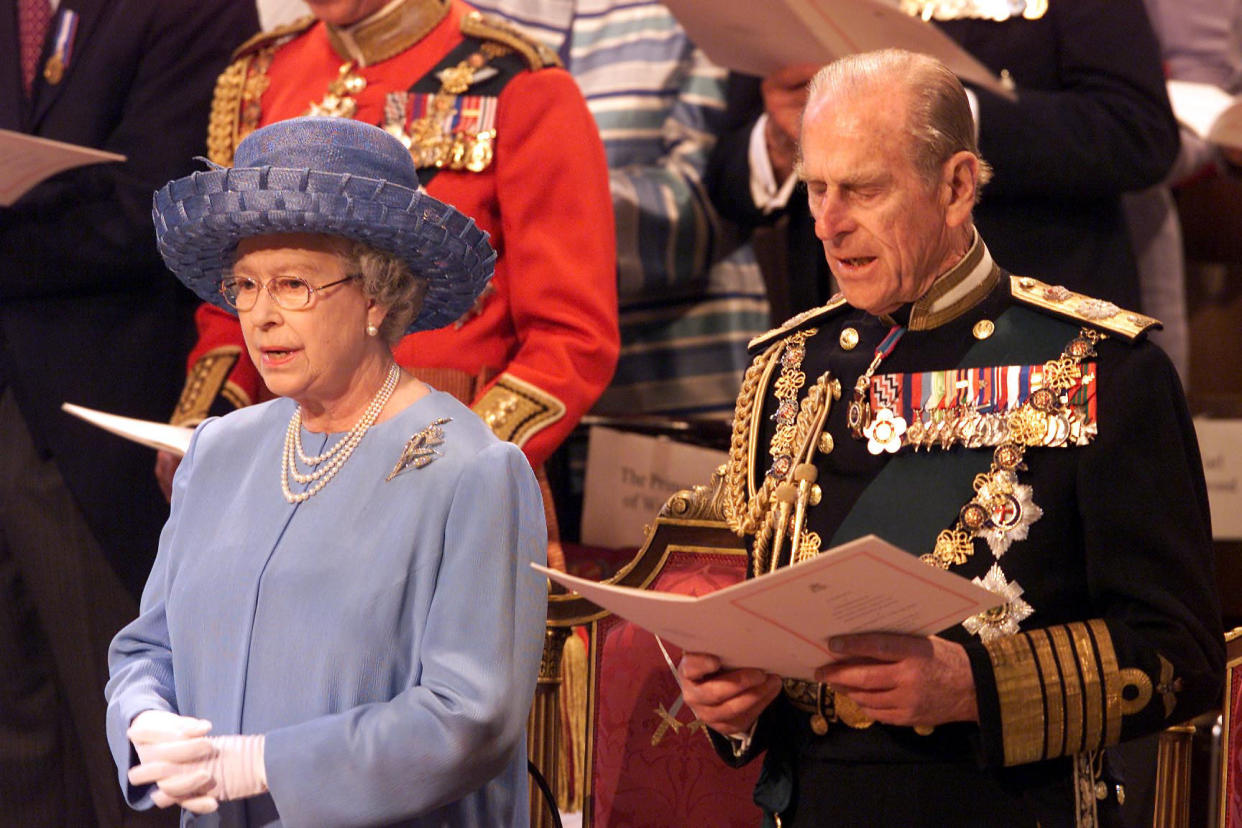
(741, 741)
(763, 190)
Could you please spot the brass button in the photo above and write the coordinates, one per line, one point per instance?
(826, 444)
(983, 329)
(849, 339)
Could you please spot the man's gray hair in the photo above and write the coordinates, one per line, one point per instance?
(940, 121)
(389, 281)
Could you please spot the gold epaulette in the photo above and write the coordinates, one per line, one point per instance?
(1095, 313)
(269, 37)
(762, 340)
(486, 27)
(238, 85)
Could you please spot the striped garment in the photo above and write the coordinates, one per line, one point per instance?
(690, 295)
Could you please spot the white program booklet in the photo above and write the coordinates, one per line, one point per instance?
(25, 160)
(759, 39)
(1211, 112)
(781, 622)
(162, 436)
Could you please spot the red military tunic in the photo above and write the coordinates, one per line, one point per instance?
(543, 342)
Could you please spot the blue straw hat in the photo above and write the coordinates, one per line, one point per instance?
(322, 175)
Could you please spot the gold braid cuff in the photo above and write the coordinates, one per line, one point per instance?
(515, 410)
(1061, 691)
(207, 380)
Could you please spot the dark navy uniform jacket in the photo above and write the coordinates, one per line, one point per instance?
(1125, 635)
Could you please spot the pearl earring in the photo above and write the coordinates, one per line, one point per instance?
(372, 330)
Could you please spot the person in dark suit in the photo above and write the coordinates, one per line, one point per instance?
(1091, 121)
(87, 315)
(1011, 431)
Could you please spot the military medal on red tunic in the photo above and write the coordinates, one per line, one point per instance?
(339, 101)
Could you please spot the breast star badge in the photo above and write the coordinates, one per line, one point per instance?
(1003, 619)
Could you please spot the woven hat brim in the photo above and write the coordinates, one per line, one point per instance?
(199, 219)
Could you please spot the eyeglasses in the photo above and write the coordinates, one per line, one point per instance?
(289, 292)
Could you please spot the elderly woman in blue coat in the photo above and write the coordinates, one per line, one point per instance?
(341, 626)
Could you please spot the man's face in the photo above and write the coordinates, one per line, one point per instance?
(884, 227)
(344, 12)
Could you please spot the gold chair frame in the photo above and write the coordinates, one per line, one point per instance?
(690, 520)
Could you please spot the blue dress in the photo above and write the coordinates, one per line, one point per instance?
(384, 635)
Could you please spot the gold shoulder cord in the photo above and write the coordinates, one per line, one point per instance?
(791, 477)
(795, 488)
(742, 513)
(235, 108)
(226, 111)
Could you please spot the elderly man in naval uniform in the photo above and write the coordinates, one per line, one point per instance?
(1009, 430)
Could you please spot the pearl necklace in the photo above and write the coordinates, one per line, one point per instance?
(338, 454)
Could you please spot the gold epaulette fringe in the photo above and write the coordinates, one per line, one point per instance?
(485, 27)
(571, 759)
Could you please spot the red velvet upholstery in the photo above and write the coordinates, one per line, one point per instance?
(1231, 736)
(651, 763)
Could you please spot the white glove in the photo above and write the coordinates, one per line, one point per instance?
(201, 772)
(152, 726)
(164, 739)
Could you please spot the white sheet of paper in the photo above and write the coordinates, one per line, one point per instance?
(1211, 112)
(162, 436)
(25, 160)
(758, 40)
(781, 622)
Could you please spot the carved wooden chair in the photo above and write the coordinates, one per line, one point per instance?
(1230, 778)
(648, 761)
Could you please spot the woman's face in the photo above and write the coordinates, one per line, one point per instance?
(314, 354)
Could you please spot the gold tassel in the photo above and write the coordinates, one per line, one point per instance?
(571, 757)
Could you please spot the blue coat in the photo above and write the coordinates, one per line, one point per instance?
(384, 635)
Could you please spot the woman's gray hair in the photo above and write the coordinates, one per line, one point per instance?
(940, 120)
(388, 281)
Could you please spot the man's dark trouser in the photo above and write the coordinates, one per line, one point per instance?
(60, 605)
